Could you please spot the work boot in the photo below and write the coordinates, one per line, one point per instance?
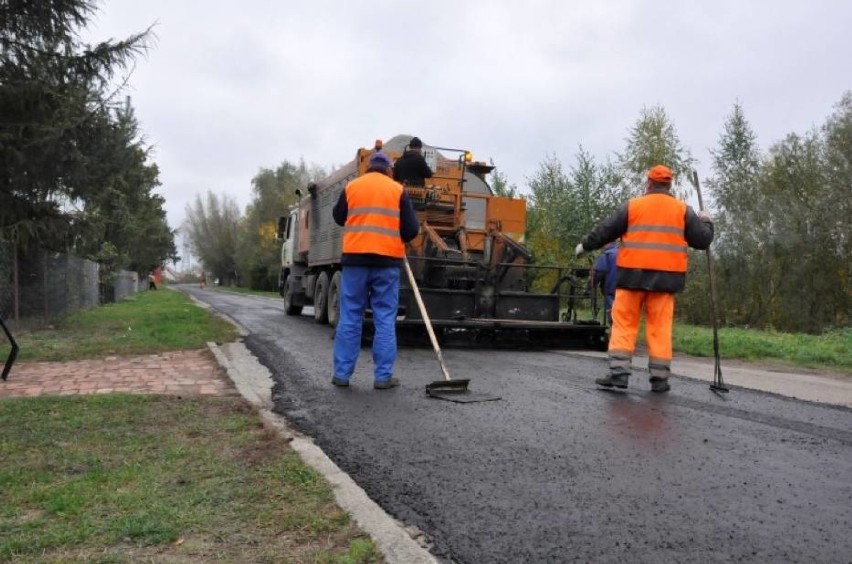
(340, 382)
(386, 384)
(617, 380)
(659, 384)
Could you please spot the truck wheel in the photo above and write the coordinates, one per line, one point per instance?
(289, 308)
(321, 299)
(334, 299)
(282, 283)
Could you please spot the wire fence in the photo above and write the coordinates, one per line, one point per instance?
(39, 287)
(7, 281)
(125, 284)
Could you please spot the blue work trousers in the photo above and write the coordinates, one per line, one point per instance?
(377, 286)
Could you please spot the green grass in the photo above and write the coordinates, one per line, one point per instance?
(121, 478)
(830, 351)
(148, 322)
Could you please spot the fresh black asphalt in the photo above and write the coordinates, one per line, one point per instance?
(558, 470)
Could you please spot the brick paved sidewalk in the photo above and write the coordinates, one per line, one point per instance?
(179, 373)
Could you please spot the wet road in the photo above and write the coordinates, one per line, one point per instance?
(559, 471)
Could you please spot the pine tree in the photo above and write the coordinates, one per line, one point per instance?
(653, 140)
(740, 223)
(54, 103)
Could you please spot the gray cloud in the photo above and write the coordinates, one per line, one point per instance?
(229, 88)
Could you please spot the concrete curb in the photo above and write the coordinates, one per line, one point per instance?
(254, 383)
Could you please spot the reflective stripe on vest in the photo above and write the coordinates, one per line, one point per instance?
(655, 237)
(372, 220)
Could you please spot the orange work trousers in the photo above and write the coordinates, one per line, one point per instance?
(626, 314)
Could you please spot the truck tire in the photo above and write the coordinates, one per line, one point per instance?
(289, 308)
(334, 299)
(321, 299)
(282, 283)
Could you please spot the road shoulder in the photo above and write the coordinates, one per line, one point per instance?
(254, 382)
(807, 385)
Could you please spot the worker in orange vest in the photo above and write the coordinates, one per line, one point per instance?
(655, 230)
(377, 219)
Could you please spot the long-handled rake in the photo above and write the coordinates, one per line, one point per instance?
(447, 385)
(718, 385)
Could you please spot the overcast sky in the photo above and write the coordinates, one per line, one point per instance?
(231, 87)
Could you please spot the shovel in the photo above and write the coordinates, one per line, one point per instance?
(447, 385)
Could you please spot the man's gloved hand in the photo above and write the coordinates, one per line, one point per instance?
(579, 250)
(704, 216)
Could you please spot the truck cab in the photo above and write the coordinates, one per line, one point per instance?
(288, 234)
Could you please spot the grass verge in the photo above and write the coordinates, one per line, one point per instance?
(830, 351)
(149, 322)
(123, 478)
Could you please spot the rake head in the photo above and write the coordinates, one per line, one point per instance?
(459, 386)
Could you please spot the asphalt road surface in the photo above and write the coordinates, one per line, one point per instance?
(558, 470)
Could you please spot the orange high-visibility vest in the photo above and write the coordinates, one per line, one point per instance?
(372, 220)
(655, 238)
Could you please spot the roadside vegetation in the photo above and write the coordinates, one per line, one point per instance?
(76, 167)
(124, 478)
(830, 351)
(121, 478)
(148, 322)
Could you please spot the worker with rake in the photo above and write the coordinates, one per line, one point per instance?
(377, 219)
(655, 230)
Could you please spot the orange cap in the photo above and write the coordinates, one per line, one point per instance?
(661, 174)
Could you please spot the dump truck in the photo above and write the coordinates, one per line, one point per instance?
(477, 279)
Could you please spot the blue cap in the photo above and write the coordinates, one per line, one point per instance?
(380, 160)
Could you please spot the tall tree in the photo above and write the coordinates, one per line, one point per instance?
(54, 98)
(741, 226)
(653, 140)
(595, 192)
(837, 210)
(212, 225)
(274, 192)
(564, 206)
(783, 224)
(801, 250)
(124, 210)
(548, 189)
